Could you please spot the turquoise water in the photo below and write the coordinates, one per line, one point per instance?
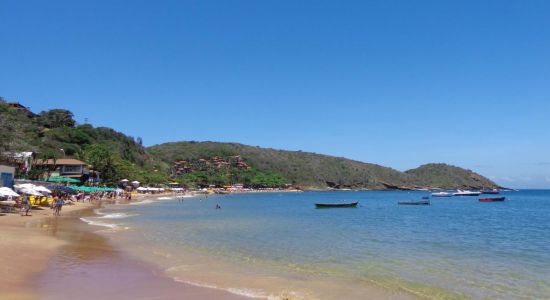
(455, 248)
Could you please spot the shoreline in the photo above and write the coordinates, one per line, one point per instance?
(49, 257)
(27, 249)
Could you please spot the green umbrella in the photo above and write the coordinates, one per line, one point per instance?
(62, 179)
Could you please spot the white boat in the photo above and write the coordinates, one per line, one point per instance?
(442, 194)
(466, 193)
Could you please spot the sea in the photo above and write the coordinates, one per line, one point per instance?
(279, 246)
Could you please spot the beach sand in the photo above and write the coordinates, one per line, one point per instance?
(46, 257)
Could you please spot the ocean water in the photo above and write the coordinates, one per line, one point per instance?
(278, 246)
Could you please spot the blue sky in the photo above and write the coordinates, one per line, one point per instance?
(398, 83)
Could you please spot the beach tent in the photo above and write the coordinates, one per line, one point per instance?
(7, 192)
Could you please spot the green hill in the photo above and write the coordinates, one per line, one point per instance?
(443, 175)
(118, 156)
(312, 170)
(55, 134)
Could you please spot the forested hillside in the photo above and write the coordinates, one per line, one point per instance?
(55, 134)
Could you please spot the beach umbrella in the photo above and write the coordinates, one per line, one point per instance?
(7, 192)
(29, 191)
(62, 179)
(37, 188)
(42, 189)
(63, 189)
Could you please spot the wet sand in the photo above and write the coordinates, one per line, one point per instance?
(62, 258)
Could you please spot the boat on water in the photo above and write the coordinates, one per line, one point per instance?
(490, 192)
(425, 197)
(442, 194)
(466, 193)
(414, 203)
(497, 199)
(336, 205)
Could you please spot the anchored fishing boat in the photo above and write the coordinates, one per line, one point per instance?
(497, 199)
(490, 192)
(336, 205)
(414, 203)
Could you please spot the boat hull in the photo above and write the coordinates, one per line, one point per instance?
(498, 199)
(414, 203)
(336, 205)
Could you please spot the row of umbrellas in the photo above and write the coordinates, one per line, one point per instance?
(62, 179)
(91, 189)
(38, 190)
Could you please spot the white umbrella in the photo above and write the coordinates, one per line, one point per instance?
(124, 180)
(6, 192)
(42, 189)
(30, 191)
(31, 186)
(135, 182)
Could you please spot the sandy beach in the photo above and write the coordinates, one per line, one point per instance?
(46, 257)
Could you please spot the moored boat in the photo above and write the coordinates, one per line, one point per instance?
(491, 192)
(414, 203)
(442, 194)
(466, 193)
(336, 205)
(497, 199)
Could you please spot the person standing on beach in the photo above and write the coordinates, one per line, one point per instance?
(57, 206)
(25, 206)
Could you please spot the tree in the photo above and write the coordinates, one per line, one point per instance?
(56, 118)
(102, 161)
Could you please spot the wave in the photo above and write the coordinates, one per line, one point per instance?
(249, 293)
(147, 201)
(165, 198)
(116, 216)
(99, 223)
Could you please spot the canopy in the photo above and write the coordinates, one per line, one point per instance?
(92, 189)
(63, 189)
(6, 192)
(38, 188)
(62, 179)
(135, 182)
(124, 180)
(29, 191)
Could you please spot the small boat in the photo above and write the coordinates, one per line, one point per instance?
(442, 194)
(491, 192)
(497, 199)
(414, 203)
(336, 205)
(466, 193)
(425, 197)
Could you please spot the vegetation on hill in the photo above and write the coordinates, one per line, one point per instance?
(443, 175)
(55, 134)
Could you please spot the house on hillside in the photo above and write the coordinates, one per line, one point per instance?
(22, 108)
(67, 167)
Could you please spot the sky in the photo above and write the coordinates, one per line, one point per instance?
(397, 83)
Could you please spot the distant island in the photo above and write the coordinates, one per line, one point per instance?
(54, 134)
